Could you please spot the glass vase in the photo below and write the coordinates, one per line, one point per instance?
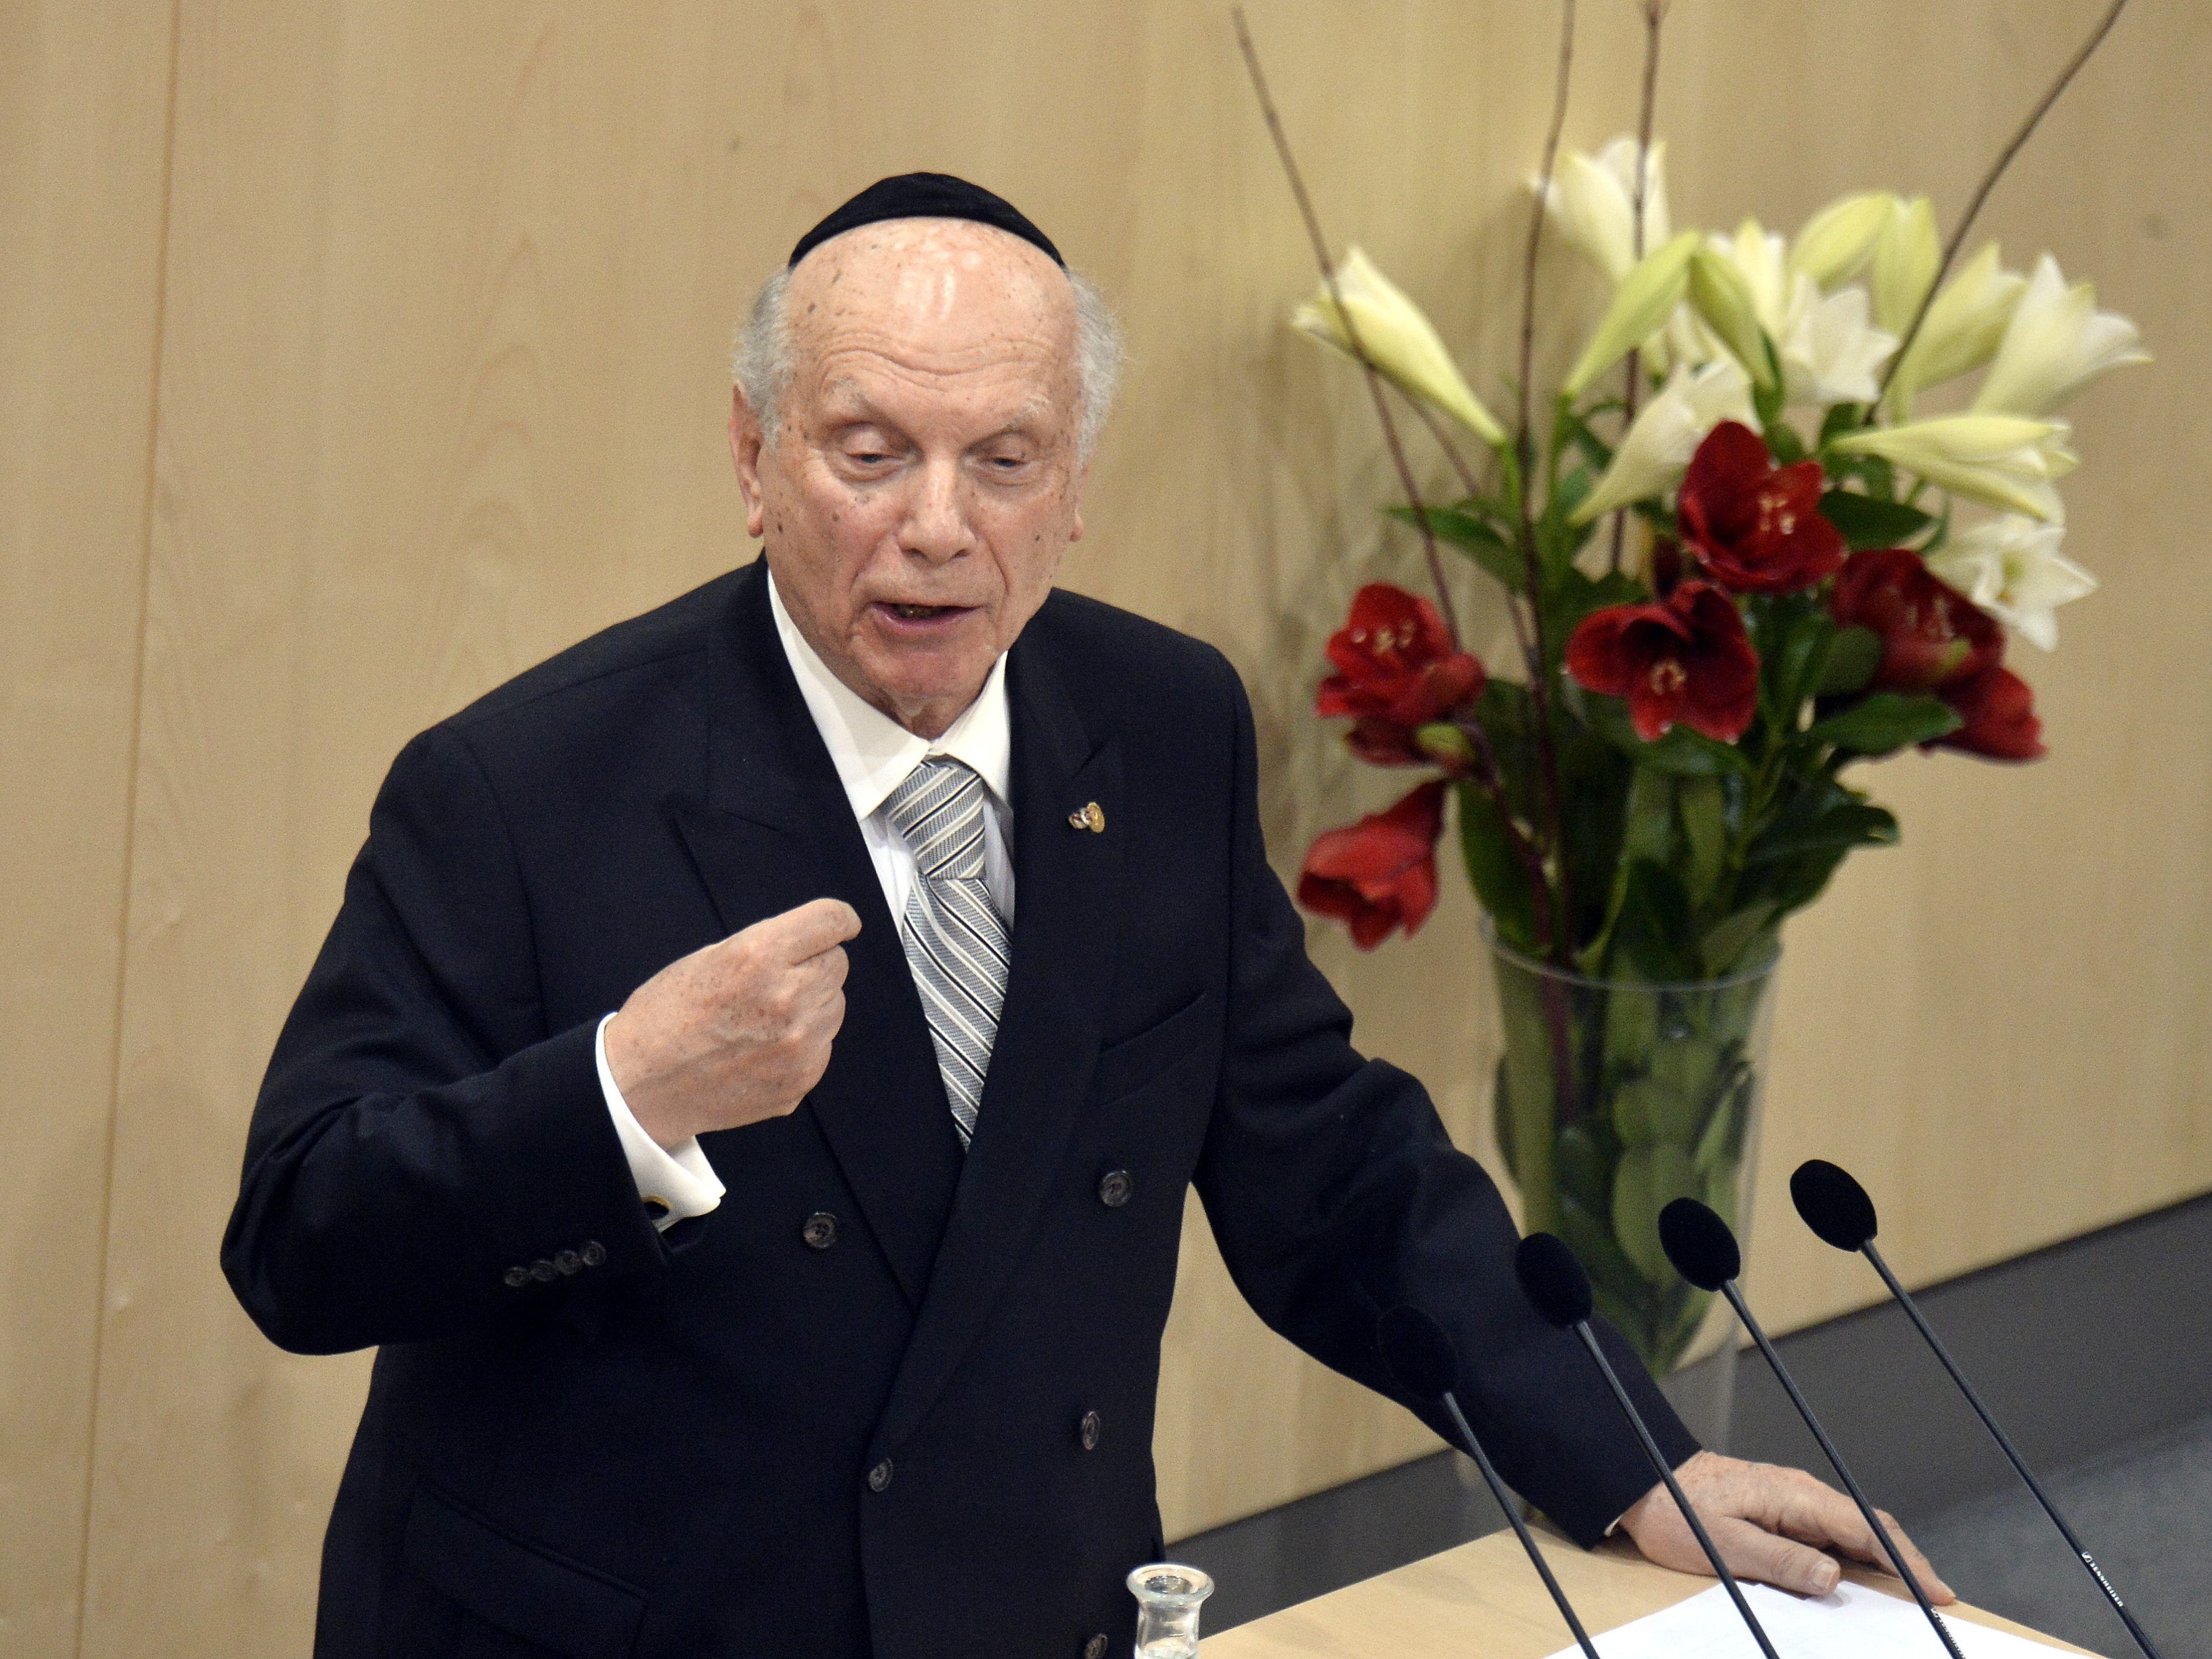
(1613, 1097)
(1168, 1597)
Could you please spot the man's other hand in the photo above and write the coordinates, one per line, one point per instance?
(738, 1031)
(1769, 1523)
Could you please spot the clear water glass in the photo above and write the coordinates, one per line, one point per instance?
(1168, 1597)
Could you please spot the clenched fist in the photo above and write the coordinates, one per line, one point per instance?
(738, 1031)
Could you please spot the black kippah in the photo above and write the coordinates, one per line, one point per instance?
(926, 195)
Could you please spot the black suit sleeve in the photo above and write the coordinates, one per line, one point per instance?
(1335, 1194)
(420, 1136)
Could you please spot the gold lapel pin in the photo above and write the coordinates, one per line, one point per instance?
(1089, 816)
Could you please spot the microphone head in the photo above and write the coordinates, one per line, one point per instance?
(1418, 1353)
(1552, 1280)
(1699, 1244)
(1835, 1206)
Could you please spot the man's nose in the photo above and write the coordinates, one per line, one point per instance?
(936, 526)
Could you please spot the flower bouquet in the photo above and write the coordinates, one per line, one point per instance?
(1742, 558)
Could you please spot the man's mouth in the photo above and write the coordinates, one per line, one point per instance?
(914, 615)
(920, 612)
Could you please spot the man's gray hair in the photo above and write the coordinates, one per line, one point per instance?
(760, 363)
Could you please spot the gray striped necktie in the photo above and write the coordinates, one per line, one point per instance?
(955, 942)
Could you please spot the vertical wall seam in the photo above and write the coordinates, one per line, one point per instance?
(130, 808)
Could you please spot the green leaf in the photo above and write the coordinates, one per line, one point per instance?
(1848, 826)
(1853, 656)
(1731, 939)
(1867, 522)
(1653, 938)
(1495, 870)
(1669, 1104)
(1583, 1168)
(1650, 1178)
(1885, 722)
(1474, 537)
(1702, 803)
(1680, 753)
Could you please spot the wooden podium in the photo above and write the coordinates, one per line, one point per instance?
(1484, 1598)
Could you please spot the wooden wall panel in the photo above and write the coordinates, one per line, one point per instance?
(440, 389)
(83, 110)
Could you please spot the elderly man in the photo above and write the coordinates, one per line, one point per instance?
(749, 1090)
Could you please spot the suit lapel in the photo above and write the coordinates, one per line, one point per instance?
(1067, 886)
(776, 830)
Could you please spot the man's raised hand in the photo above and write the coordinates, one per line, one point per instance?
(736, 1032)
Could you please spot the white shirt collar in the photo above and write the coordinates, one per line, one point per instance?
(873, 752)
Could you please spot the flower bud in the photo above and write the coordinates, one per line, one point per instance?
(1397, 337)
(1905, 261)
(2055, 344)
(1835, 244)
(1640, 309)
(1724, 300)
(2007, 460)
(1961, 330)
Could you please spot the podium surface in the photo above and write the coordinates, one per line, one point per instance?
(1484, 1598)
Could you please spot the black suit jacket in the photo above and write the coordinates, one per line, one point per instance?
(930, 1435)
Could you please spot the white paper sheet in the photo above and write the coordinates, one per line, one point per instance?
(1850, 1623)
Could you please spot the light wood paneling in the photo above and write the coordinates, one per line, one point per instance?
(440, 389)
(83, 108)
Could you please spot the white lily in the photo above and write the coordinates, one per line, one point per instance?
(1961, 330)
(2007, 461)
(2056, 343)
(2012, 567)
(1831, 351)
(1666, 433)
(1400, 340)
(1640, 308)
(1835, 244)
(1592, 201)
(1905, 257)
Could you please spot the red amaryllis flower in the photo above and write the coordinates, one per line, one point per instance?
(1395, 668)
(1381, 873)
(1932, 635)
(1756, 527)
(1999, 712)
(1687, 659)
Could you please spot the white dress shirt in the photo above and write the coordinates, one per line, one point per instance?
(873, 754)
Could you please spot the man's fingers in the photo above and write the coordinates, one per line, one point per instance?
(801, 934)
(1820, 1516)
(1922, 1569)
(1751, 1551)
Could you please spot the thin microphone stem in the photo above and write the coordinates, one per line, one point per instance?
(1520, 1527)
(1673, 1487)
(2006, 1446)
(1836, 1461)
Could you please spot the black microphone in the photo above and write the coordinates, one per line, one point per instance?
(1704, 1251)
(1423, 1360)
(1559, 1289)
(1838, 1210)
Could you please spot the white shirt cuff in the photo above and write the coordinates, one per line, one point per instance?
(679, 1177)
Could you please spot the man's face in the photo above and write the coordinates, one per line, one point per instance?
(924, 481)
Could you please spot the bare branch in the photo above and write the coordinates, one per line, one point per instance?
(1350, 329)
(1536, 221)
(1988, 183)
(1654, 14)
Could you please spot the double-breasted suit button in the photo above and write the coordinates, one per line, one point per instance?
(1096, 1647)
(517, 1277)
(820, 1231)
(567, 1261)
(544, 1271)
(1114, 1188)
(880, 1476)
(1089, 1429)
(593, 1255)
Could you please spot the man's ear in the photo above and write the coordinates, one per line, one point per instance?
(746, 442)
